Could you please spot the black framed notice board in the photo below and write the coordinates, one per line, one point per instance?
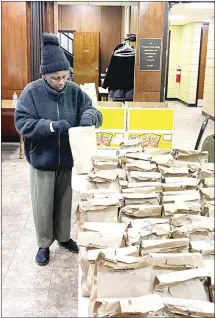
(150, 54)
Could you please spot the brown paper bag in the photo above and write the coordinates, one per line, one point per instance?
(177, 261)
(173, 172)
(122, 175)
(208, 200)
(201, 170)
(209, 206)
(186, 283)
(104, 179)
(204, 173)
(198, 166)
(88, 198)
(180, 184)
(141, 166)
(209, 264)
(139, 176)
(84, 151)
(122, 153)
(105, 236)
(87, 259)
(190, 155)
(105, 162)
(157, 151)
(189, 307)
(130, 212)
(140, 190)
(99, 210)
(138, 156)
(140, 185)
(104, 227)
(172, 163)
(162, 160)
(123, 277)
(206, 248)
(208, 193)
(128, 307)
(181, 207)
(87, 265)
(87, 194)
(164, 246)
(131, 144)
(141, 198)
(147, 229)
(99, 240)
(194, 227)
(208, 182)
(175, 197)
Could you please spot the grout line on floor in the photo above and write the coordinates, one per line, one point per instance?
(16, 247)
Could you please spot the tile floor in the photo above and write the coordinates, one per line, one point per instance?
(51, 291)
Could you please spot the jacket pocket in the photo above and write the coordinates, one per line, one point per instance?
(44, 155)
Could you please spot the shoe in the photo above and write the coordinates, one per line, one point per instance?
(70, 245)
(42, 257)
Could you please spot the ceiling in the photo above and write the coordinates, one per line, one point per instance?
(100, 3)
(184, 13)
(181, 13)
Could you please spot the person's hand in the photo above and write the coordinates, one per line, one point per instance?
(86, 120)
(61, 125)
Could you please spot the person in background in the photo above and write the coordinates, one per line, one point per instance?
(45, 111)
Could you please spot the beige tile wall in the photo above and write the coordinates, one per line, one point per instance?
(208, 98)
(184, 52)
(174, 61)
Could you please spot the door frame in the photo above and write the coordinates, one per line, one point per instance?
(200, 56)
(167, 68)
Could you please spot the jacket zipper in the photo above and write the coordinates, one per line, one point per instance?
(58, 132)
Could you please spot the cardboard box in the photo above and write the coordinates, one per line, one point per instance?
(147, 104)
(110, 104)
(150, 119)
(112, 132)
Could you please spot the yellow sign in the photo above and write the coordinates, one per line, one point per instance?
(109, 139)
(113, 118)
(150, 119)
(153, 140)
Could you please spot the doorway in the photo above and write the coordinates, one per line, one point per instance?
(66, 38)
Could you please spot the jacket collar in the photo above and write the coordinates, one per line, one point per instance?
(51, 91)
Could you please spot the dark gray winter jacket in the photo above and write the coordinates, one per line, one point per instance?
(37, 107)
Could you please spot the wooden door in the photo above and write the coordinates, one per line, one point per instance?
(202, 63)
(86, 58)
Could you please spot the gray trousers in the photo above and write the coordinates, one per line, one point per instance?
(51, 197)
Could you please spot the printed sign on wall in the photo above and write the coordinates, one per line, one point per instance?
(109, 139)
(152, 140)
(150, 54)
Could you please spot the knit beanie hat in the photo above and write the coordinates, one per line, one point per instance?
(53, 58)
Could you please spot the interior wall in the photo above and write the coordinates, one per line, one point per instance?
(133, 19)
(190, 50)
(174, 61)
(208, 97)
(15, 47)
(104, 19)
(184, 52)
(148, 84)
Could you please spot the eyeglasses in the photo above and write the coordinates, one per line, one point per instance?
(59, 78)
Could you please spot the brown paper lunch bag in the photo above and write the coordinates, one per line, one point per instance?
(123, 277)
